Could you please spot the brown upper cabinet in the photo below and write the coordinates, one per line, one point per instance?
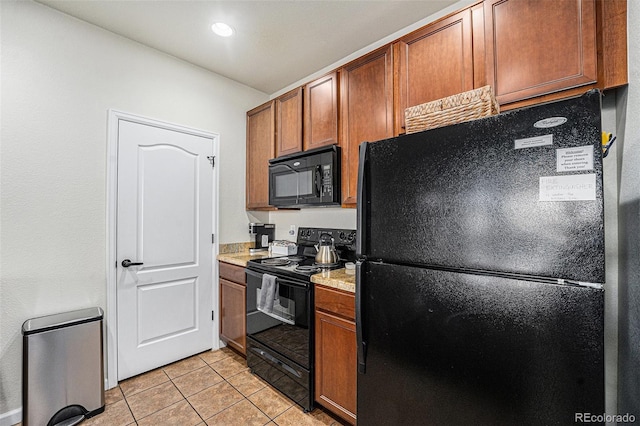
(321, 112)
(366, 111)
(611, 31)
(535, 47)
(433, 62)
(260, 149)
(289, 122)
(549, 49)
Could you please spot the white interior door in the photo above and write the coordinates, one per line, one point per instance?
(164, 222)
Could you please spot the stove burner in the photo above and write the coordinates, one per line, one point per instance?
(276, 261)
(310, 268)
(295, 258)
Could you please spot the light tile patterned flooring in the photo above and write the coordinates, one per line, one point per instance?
(211, 388)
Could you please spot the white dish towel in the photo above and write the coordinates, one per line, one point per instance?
(268, 293)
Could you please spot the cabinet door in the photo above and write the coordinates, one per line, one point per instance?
(260, 149)
(289, 122)
(321, 112)
(336, 368)
(535, 47)
(612, 32)
(366, 111)
(233, 316)
(433, 62)
(231, 272)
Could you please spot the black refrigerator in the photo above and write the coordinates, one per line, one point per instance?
(479, 289)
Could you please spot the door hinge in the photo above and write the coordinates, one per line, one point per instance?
(212, 160)
(213, 238)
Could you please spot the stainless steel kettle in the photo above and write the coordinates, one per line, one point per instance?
(327, 254)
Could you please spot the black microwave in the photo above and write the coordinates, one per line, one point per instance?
(306, 179)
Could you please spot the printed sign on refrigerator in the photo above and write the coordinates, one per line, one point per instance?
(534, 141)
(568, 188)
(574, 159)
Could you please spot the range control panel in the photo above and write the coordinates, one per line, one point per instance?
(341, 237)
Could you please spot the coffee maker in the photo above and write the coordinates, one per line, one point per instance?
(261, 235)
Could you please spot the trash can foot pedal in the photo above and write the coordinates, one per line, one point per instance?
(68, 416)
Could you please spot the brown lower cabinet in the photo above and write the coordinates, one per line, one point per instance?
(335, 341)
(233, 316)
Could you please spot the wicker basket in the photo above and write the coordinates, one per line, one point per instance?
(454, 109)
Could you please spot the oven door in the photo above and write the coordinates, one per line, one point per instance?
(286, 328)
(279, 342)
(291, 186)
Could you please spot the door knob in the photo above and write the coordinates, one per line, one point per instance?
(126, 263)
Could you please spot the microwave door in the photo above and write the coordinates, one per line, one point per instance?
(283, 185)
(290, 187)
(310, 181)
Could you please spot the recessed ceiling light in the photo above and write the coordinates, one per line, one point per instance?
(222, 29)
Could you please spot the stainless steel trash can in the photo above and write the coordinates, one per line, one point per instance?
(62, 368)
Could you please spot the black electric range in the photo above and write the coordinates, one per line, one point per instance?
(280, 333)
(302, 265)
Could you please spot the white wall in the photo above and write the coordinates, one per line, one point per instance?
(629, 225)
(59, 77)
(336, 218)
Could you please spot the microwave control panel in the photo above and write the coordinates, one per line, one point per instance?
(327, 180)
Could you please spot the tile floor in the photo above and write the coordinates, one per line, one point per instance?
(211, 388)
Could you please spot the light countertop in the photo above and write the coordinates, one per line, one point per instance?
(337, 278)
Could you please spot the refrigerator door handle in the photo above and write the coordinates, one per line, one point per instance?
(362, 208)
(362, 345)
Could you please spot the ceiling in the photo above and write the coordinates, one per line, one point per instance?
(277, 43)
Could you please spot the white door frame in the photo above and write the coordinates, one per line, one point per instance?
(111, 314)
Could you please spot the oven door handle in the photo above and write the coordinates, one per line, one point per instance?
(280, 280)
